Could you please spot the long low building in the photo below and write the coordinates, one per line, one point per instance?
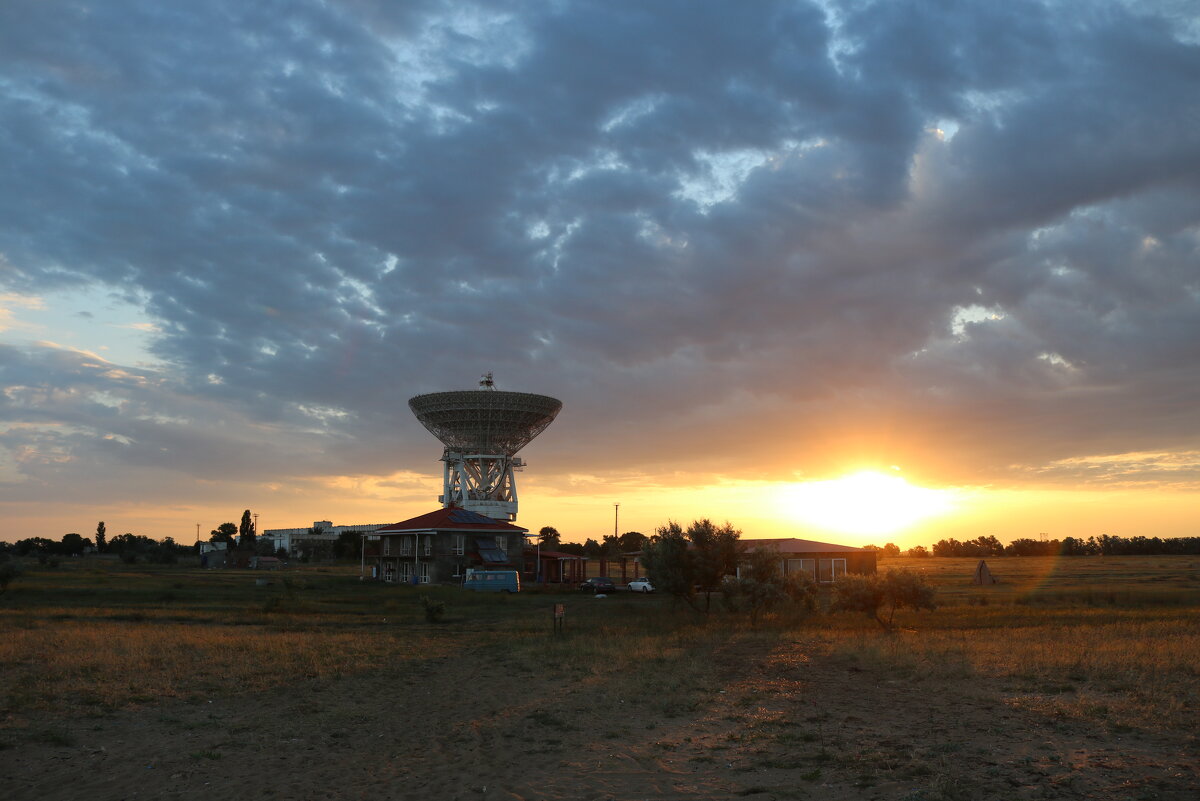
(315, 541)
(824, 561)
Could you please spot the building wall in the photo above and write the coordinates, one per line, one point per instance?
(855, 561)
(298, 541)
(406, 555)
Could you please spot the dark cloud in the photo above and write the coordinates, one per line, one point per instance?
(729, 239)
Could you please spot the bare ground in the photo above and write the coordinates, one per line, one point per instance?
(765, 721)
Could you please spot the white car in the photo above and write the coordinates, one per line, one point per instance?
(640, 585)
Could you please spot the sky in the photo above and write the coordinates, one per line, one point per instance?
(856, 271)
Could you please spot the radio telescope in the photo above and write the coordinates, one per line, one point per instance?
(482, 430)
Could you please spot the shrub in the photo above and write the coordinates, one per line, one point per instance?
(802, 589)
(434, 610)
(762, 586)
(879, 596)
(9, 572)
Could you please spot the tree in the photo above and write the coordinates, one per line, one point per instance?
(246, 533)
(39, 546)
(224, 533)
(879, 596)
(762, 585)
(72, 544)
(10, 571)
(134, 547)
(548, 537)
(918, 552)
(165, 552)
(680, 563)
(592, 549)
(348, 544)
(669, 565)
(890, 551)
(101, 538)
(631, 541)
(716, 550)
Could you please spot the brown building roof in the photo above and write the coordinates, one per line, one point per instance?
(450, 519)
(793, 545)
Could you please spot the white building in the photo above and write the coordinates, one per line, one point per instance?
(321, 536)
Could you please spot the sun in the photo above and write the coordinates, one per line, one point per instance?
(866, 502)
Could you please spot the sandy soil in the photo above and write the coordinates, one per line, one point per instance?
(776, 724)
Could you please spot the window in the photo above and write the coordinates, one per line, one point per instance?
(808, 566)
(387, 546)
(424, 567)
(405, 546)
(460, 544)
(428, 544)
(406, 572)
(830, 569)
(502, 544)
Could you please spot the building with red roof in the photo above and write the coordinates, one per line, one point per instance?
(440, 546)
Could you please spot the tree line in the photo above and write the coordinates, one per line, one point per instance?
(608, 547)
(129, 547)
(1104, 545)
(132, 548)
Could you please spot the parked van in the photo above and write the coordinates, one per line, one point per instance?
(493, 581)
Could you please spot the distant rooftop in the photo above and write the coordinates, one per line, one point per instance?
(793, 545)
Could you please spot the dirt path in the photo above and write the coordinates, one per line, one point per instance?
(774, 723)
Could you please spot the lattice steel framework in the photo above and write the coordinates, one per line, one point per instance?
(482, 431)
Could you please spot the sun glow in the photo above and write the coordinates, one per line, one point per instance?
(867, 503)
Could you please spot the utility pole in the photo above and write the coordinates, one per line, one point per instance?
(616, 517)
(197, 533)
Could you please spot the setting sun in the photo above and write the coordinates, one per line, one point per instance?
(867, 502)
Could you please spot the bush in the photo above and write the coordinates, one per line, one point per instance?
(802, 589)
(10, 571)
(434, 610)
(879, 595)
(762, 586)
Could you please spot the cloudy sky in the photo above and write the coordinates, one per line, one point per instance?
(749, 245)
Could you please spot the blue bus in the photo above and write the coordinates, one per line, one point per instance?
(492, 581)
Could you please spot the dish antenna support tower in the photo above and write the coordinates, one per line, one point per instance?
(482, 430)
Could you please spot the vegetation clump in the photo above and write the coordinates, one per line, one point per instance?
(685, 563)
(10, 571)
(762, 586)
(435, 611)
(879, 596)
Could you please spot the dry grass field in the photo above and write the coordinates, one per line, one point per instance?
(1072, 678)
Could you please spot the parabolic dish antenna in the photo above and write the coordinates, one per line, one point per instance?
(482, 430)
(485, 421)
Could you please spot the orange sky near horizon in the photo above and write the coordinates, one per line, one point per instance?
(828, 511)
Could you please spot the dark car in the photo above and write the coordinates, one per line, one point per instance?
(598, 585)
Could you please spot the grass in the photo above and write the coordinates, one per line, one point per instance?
(1110, 640)
(1132, 665)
